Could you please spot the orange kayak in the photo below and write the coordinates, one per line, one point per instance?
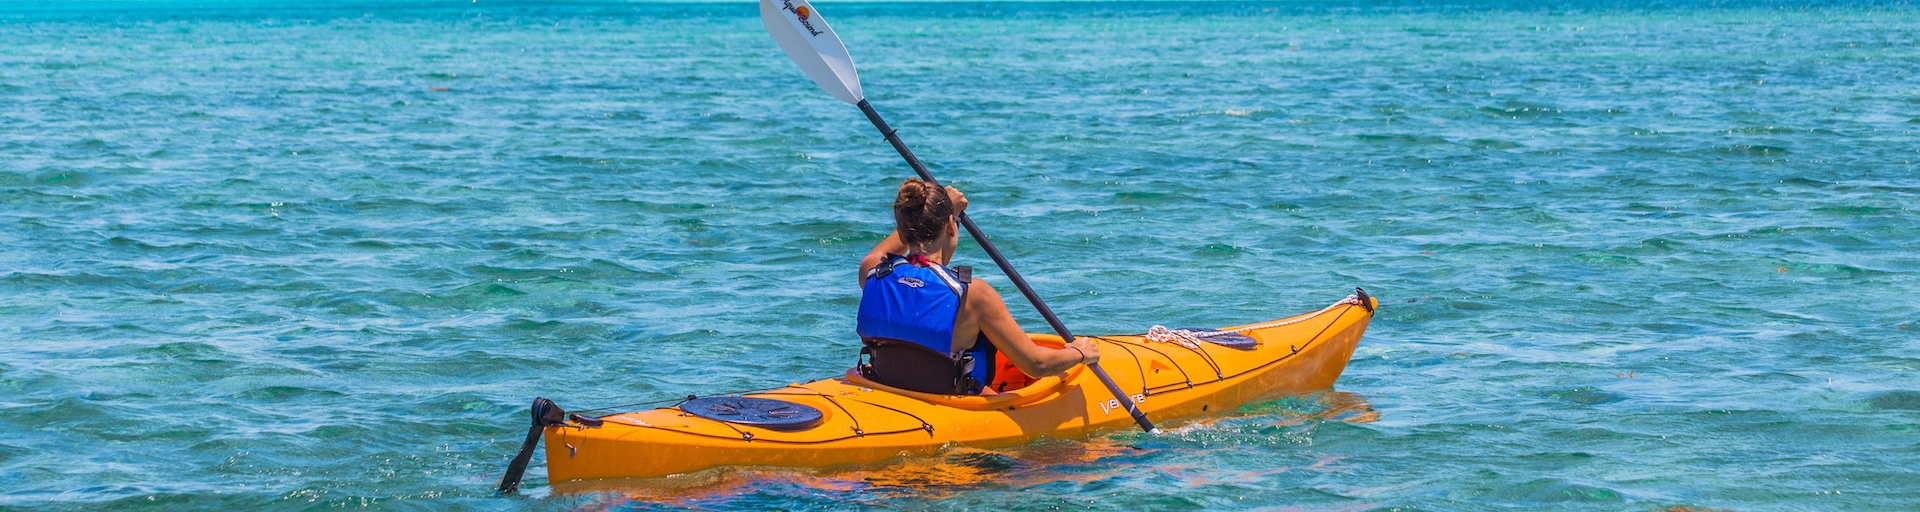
(850, 420)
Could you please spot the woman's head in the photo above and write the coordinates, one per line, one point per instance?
(921, 212)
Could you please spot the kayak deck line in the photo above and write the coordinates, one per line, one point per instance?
(1192, 339)
(866, 422)
(748, 435)
(1357, 299)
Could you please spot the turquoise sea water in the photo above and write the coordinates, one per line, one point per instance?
(1633, 255)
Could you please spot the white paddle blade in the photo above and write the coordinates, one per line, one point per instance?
(800, 31)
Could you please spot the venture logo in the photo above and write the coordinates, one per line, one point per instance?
(803, 13)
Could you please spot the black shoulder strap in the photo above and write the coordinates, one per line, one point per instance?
(963, 273)
(886, 266)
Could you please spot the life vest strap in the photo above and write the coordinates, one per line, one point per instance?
(955, 278)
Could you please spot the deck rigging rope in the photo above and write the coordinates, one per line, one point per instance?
(1191, 339)
(745, 436)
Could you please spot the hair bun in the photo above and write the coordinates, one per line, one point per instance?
(920, 211)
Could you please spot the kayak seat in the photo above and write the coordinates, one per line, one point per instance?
(913, 367)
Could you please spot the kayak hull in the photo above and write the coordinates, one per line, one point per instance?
(865, 422)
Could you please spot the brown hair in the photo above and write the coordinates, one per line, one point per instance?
(920, 211)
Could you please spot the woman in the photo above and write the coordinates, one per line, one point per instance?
(934, 329)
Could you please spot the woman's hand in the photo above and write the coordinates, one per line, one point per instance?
(959, 200)
(1087, 347)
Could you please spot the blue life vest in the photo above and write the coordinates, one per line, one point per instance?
(906, 326)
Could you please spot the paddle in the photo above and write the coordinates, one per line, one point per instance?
(800, 31)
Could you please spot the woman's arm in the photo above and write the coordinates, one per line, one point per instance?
(985, 306)
(891, 245)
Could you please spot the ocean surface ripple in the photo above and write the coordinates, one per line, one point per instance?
(1632, 254)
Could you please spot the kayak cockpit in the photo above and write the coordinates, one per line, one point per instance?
(1040, 391)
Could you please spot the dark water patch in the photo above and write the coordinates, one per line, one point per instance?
(64, 413)
(1584, 395)
(534, 325)
(1397, 139)
(1494, 144)
(340, 304)
(1554, 461)
(285, 394)
(81, 279)
(1896, 401)
(1551, 491)
(64, 179)
(342, 432)
(142, 432)
(98, 396)
(1805, 182)
(1592, 435)
(1857, 211)
(91, 143)
(1599, 258)
(213, 285)
(987, 462)
(1217, 250)
(129, 242)
(1816, 268)
(10, 453)
(147, 500)
(184, 350)
(485, 291)
(1775, 377)
(1658, 212)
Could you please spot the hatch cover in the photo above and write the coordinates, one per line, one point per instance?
(755, 412)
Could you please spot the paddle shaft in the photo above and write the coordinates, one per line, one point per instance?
(1006, 267)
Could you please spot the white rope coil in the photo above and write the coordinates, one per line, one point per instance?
(1191, 339)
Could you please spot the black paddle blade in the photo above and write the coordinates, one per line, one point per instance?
(545, 413)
